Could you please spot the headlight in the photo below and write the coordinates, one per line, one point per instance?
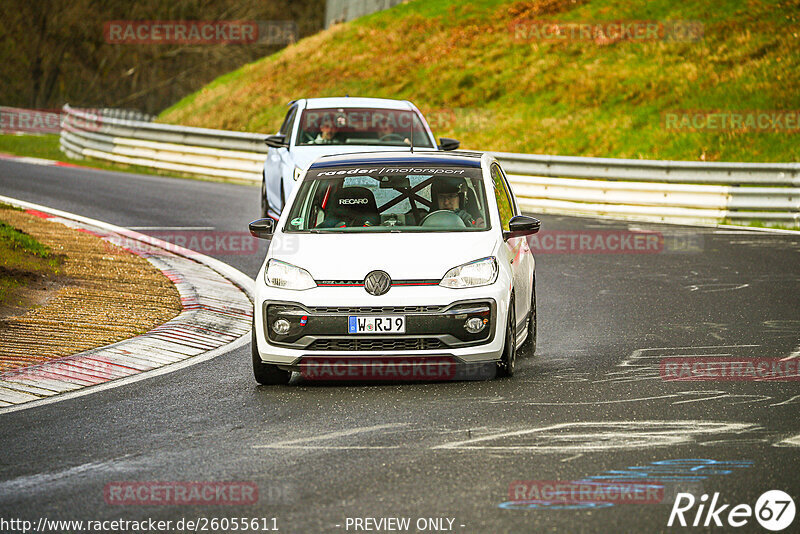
(473, 274)
(298, 173)
(286, 276)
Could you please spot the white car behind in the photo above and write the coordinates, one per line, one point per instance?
(360, 124)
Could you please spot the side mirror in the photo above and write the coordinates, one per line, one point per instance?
(262, 228)
(521, 225)
(448, 144)
(276, 141)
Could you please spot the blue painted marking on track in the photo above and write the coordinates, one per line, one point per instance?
(681, 469)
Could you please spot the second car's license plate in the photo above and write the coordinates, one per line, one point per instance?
(388, 324)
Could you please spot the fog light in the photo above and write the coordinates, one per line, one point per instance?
(475, 324)
(281, 327)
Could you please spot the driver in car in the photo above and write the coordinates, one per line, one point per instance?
(451, 194)
(387, 134)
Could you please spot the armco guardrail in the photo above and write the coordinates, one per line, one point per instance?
(195, 151)
(664, 191)
(671, 191)
(643, 170)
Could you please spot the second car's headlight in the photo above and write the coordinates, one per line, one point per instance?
(473, 274)
(287, 276)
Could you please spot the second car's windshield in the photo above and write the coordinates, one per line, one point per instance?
(361, 126)
(385, 198)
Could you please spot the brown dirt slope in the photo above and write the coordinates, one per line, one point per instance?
(101, 295)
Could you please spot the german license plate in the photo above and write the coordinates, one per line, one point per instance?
(372, 324)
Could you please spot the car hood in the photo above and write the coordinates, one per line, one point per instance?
(304, 156)
(404, 256)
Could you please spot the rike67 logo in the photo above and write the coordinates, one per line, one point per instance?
(774, 510)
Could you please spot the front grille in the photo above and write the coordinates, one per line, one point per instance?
(374, 309)
(377, 344)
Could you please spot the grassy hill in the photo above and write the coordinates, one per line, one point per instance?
(478, 79)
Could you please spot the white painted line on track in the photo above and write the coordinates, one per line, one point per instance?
(794, 441)
(794, 355)
(790, 400)
(216, 316)
(750, 399)
(598, 436)
(299, 443)
(680, 394)
(47, 480)
(711, 288)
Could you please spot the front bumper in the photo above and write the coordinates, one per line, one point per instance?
(434, 324)
(325, 328)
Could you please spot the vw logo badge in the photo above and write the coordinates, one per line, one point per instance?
(377, 283)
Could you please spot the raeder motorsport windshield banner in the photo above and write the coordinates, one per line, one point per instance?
(393, 170)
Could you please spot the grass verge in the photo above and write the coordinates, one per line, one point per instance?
(478, 78)
(23, 260)
(70, 291)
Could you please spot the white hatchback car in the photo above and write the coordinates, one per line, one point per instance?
(390, 255)
(317, 127)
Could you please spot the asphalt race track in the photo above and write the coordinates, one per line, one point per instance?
(590, 404)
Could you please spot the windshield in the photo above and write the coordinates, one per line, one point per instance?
(361, 126)
(428, 198)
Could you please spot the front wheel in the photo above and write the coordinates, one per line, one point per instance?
(266, 373)
(508, 361)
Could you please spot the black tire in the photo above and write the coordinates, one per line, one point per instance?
(508, 361)
(266, 373)
(264, 200)
(530, 341)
